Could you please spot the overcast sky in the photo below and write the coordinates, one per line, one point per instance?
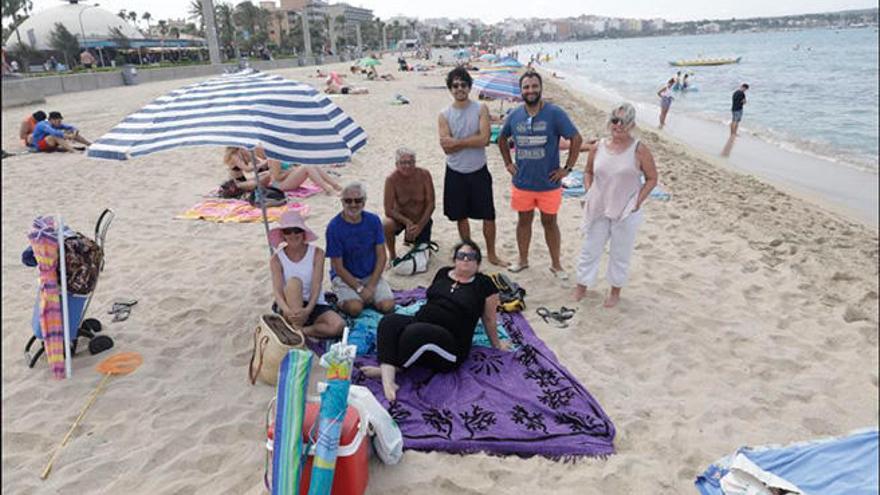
(494, 10)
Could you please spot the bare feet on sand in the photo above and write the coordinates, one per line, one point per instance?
(497, 260)
(580, 291)
(613, 298)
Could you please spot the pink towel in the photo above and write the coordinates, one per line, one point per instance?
(44, 240)
(238, 211)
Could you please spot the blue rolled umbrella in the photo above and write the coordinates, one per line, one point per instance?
(503, 85)
(462, 53)
(293, 121)
(488, 57)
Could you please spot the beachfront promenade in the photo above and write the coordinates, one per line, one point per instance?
(750, 316)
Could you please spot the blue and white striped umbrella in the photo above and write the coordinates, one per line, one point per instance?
(503, 85)
(509, 62)
(293, 121)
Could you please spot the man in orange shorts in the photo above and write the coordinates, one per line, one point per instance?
(536, 127)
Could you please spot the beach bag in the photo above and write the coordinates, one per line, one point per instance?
(273, 337)
(416, 260)
(230, 190)
(274, 197)
(512, 297)
(83, 259)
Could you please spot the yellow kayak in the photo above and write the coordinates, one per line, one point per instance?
(705, 61)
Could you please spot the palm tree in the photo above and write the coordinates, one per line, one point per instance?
(196, 14)
(18, 10)
(122, 14)
(133, 17)
(147, 18)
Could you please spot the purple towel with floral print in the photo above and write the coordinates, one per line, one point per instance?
(522, 402)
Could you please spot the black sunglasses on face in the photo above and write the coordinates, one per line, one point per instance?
(466, 256)
(616, 120)
(292, 230)
(353, 201)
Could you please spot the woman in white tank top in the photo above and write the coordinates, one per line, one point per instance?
(297, 277)
(612, 206)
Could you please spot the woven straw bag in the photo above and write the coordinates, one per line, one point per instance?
(273, 337)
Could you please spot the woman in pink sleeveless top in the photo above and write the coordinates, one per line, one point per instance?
(612, 206)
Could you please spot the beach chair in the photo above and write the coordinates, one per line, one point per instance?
(77, 306)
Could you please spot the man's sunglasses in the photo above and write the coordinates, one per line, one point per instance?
(466, 256)
(353, 201)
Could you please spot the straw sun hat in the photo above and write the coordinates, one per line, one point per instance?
(290, 219)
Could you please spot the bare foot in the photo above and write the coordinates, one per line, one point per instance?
(497, 261)
(612, 300)
(580, 291)
(389, 386)
(371, 371)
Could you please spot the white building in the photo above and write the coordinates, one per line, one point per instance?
(90, 24)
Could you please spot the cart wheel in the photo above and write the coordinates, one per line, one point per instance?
(92, 325)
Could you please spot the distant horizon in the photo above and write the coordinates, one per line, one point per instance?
(636, 9)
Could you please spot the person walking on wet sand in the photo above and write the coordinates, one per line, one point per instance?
(665, 94)
(739, 99)
(464, 134)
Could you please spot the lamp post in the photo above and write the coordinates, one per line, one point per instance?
(81, 28)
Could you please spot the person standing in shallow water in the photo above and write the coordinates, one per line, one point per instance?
(665, 94)
(613, 204)
(464, 134)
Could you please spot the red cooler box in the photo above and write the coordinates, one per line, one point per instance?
(352, 459)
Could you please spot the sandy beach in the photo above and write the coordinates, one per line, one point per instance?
(751, 316)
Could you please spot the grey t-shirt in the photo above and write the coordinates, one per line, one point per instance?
(464, 123)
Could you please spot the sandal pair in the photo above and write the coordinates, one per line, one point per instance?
(556, 318)
(122, 309)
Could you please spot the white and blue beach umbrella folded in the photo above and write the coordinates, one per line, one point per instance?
(504, 85)
(291, 120)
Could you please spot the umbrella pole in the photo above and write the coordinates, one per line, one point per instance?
(261, 197)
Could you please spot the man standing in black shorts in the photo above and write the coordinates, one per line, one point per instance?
(736, 109)
(464, 134)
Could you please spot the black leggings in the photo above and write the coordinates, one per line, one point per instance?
(404, 342)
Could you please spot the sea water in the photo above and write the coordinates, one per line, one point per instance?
(814, 91)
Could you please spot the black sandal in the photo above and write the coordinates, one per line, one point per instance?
(552, 317)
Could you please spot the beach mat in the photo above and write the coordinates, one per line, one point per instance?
(837, 466)
(522, 402)
(306, 190)
(237, 211)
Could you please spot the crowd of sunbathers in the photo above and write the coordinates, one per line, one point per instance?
(45, 133)
(619, 175)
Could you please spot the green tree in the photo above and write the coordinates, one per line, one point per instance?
(133, 17)
(225, 25)
(25, 54)
(146, 16)
(122, 14)
(62, 40)
(197, 14)
(18, 11)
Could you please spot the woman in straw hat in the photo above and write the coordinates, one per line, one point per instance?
(297, 277)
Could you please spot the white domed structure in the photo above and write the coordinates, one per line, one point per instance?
(96, 22)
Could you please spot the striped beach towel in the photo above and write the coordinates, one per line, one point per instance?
(238, 211)
(44, 241)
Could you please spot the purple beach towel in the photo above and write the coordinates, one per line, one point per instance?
(522, 402)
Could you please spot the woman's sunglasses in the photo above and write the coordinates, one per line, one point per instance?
(292, 230)
(617, 120)
(466, 256)
(353, 201)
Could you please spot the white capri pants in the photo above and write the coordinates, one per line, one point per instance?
(623, 239)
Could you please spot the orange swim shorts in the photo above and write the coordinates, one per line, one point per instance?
(546, 201)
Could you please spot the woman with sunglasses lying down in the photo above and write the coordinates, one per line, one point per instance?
(439, 335)
(619, 176)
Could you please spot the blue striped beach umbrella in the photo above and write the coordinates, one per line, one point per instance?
(488, 57)
(293, 121)
(503, 85)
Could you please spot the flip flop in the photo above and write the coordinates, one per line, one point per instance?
(560, 274)
(122, 314)
(551, 317)
(516, 267)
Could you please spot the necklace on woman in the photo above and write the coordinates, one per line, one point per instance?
(456, 284)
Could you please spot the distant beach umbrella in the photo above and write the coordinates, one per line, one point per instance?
(293, 121)
(503, 85)
(369, 62)
(488, 57)
(462, 53)
(509, 62)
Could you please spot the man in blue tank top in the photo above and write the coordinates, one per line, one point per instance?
(536, 128)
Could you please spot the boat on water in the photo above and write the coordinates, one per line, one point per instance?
(704, 62)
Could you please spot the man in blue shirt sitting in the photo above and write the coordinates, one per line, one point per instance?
(53, 134)
(356, 248)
